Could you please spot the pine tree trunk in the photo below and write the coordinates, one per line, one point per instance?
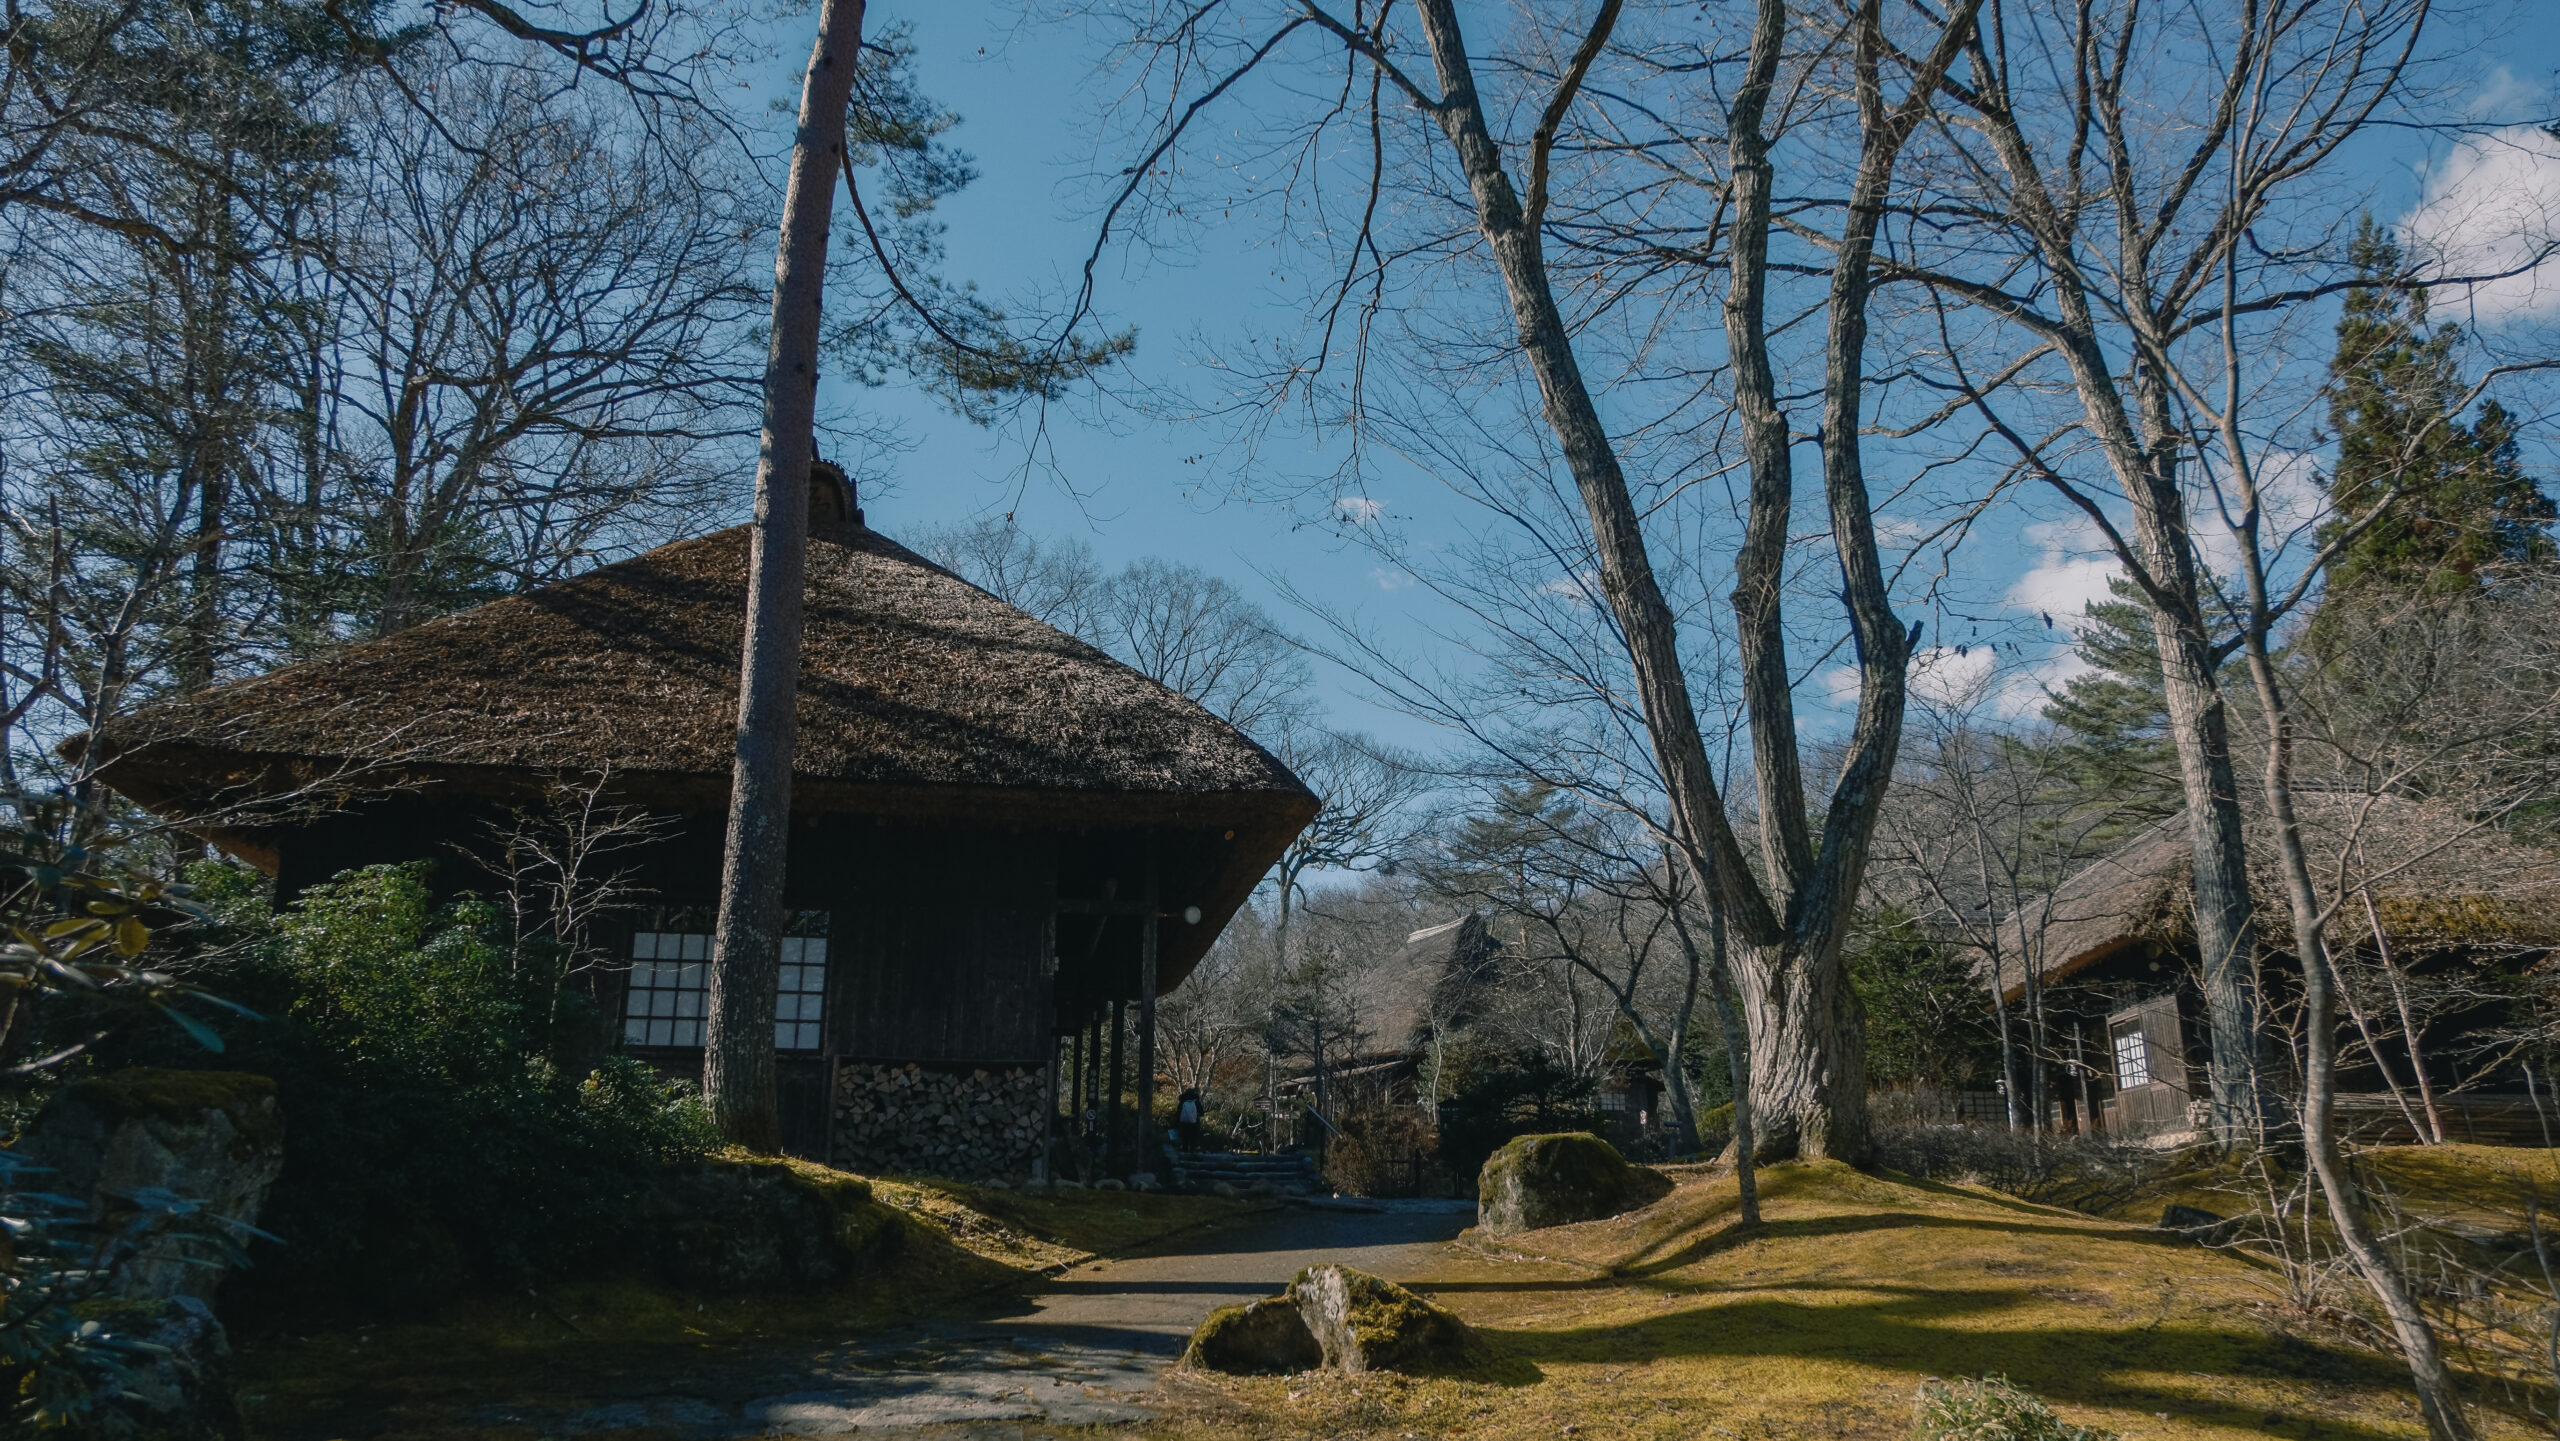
(737, 1069)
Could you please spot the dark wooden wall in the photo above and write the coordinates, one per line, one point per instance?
(941, 941)
(946, 944)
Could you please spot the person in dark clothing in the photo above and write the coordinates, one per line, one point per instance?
(1186, 1121)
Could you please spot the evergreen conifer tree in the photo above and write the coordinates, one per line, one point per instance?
(2114, 718)
(2466, 508)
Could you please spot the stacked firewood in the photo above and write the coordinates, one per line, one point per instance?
(978, 1125)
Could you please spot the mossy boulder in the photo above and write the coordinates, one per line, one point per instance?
(1340, 1319)
(178, 1382)
(214, 1138)
(1555, 1180)
(1263, 1338)
(1362, 1323)
(763, 1226)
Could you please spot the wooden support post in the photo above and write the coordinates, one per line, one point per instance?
(1111, 1111)
(1049, 1111)
(1075, 1086)
(1148, 1146)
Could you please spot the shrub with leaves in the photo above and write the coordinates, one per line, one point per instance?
(453, 1114)
(75, 924)
(1383, 1150)
(1990, 1409)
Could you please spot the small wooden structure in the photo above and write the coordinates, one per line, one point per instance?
(1005, 845)
(2114, 957)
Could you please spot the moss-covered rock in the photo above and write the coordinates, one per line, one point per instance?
(1263, 1338)
(730, 1225)
(1362, 1323)
(179, 1382)
(215, 1138)
(1555, 1180)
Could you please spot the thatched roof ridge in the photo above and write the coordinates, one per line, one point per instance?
(914, 683)
(2436, 878)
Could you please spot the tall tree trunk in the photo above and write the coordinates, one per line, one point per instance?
(2141, 440)
(2438, 1402)
(737, 1068)
(2200, 728)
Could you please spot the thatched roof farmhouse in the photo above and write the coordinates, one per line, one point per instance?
(2112, 954)
(999, 832)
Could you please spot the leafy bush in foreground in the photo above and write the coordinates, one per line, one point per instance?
(449, 1112)
(1990, 1409)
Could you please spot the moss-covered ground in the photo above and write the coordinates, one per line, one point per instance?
(1673, 1322)
(1669, 1322)
(959, 1247)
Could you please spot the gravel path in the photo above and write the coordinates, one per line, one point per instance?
(1081, 1352)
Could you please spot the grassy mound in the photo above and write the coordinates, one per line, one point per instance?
(929, 1247)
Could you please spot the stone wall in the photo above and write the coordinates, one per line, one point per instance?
(974, 1125)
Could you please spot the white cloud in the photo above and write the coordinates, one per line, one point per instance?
(2023, 694)
(1897, 531)
(2503, 95)
(2489, 206)
(1390, 579)
(1952, 676)
(2073, 570)
(1359, 509)
(1579, 587)
(1840, 683)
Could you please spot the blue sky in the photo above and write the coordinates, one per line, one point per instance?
(1132, 486)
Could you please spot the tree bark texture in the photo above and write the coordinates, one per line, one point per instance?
(737, 1068)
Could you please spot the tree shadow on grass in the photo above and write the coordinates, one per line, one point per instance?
(1906, 1332)
(1642, 1264)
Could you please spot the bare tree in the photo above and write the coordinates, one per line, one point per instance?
(1173, 622)
(1980, 834)
(1788, 915)
(2098, 212)
(1054, 580)
(542, 346)
(1588, 891)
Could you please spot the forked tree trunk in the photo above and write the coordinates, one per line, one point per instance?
(1808, 1057)
(737, 1066)
(2140, 439)
(1811, 1098)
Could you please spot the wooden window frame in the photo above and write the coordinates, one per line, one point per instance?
(670, 984)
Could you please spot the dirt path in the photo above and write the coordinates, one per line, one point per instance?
(1081, 1352)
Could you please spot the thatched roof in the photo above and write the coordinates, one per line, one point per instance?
(1435, 981)
(920, 694)
(2437, 879)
